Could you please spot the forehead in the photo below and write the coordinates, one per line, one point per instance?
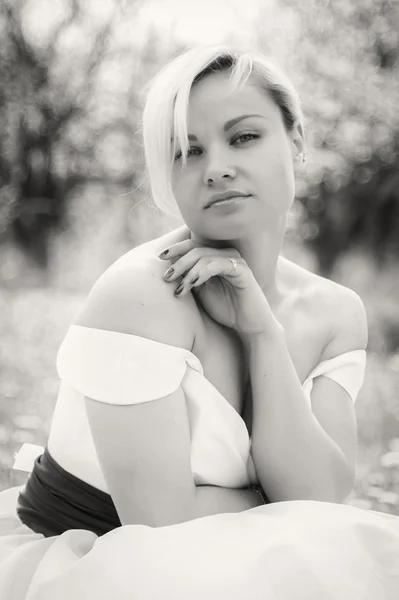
(212, 98)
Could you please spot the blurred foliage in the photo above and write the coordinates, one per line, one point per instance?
(72, 74)
(343, 56)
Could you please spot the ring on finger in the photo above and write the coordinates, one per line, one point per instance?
(234, 268)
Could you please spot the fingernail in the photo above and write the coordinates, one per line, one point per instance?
(179, 289)
(169, 273)
(195, 279)
(164, 252)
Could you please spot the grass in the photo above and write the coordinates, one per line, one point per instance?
(33, 322)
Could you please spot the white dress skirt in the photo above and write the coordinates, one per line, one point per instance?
(298, 550)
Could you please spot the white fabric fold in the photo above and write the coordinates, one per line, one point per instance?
(119, 368)
(299, 550)
(346, 369)
(125, 369)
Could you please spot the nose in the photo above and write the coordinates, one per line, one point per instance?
(217, 170)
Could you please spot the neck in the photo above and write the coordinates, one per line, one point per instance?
(261, 252)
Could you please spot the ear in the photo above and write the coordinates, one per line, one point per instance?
(298, 141)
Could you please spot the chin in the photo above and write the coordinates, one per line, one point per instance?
(230, 229)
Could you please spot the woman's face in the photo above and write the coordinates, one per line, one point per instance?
(231, 149)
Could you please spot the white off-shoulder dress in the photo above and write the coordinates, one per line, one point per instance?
(298, 550)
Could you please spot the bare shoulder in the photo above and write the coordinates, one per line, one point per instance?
(132, 297)
(349, 330)
(340, 308)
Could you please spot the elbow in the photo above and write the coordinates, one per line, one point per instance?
(335, 487)
(344, 484)
(337, 479)
(344, 476)
(338, 485)
(335, 493)
(158, 518)
(161, 510)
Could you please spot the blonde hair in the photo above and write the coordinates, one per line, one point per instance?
(164, 124)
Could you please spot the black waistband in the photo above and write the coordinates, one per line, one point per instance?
(55, 501)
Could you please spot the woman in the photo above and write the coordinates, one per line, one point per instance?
(205, 377)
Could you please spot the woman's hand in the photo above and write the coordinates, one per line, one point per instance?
(231, 297)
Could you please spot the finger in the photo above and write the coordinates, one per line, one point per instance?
(205, 269)
(181, 248)
(178, 249)
(224, 267)
(183, 264)
(194, 277)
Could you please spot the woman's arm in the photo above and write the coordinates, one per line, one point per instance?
(298, 455)
(144, 454)
(144, 449)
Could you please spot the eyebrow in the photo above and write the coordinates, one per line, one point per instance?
(229, 124)
(232, 122)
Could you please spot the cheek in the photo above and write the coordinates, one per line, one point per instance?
(278, 181)
(284, 174)
(180, 189)
(184, 191)
(287, 175)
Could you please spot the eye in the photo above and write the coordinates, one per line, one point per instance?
(178, 154)
(248, 136)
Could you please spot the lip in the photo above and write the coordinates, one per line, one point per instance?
(225, 196)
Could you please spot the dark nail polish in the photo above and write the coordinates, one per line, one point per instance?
(179, 289)
(195, 279)
(165, 252)
(169, 273)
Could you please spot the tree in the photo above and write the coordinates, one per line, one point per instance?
(56, 131)
(343, 56)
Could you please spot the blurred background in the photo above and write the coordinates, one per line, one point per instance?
(73, 195)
